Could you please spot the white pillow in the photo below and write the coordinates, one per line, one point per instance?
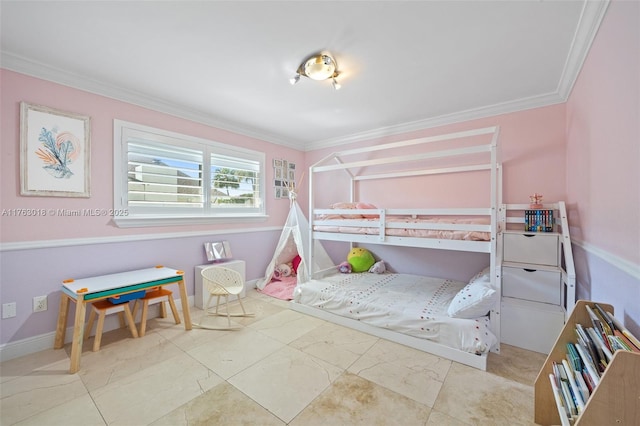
(482, 277)
(475, 299)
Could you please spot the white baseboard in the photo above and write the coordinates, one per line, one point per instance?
(252, 283)
(45, 341)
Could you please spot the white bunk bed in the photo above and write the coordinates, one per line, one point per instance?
(458, 229)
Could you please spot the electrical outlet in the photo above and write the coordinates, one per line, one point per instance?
(8, 310)
(39, 303)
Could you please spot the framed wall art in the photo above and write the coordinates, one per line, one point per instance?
(284, 174)
(54, 152)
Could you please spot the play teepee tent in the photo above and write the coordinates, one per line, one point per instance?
(295, 240)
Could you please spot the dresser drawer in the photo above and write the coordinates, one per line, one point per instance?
(529, 284)
(539, 249)
(530, 325)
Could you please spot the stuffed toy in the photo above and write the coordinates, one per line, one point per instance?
(295, 263)
(378, 267)
(282, 270)
(360, 259)
(344, 267)
(276, 274)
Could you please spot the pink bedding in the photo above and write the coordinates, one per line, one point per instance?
(281, 288)
(411, 231)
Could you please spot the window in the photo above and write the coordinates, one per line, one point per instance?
(164, 178)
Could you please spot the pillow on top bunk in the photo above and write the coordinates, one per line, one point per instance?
(352, 206)
(475, 299)
(367, 206)
(346, 206)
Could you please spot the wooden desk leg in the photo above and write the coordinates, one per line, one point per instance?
(185, 305)
(61, 327)
(78, 334)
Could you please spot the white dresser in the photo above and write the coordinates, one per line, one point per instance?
(537, 294)
(236, 265)
(531, 291)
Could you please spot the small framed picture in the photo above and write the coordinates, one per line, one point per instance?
(277, 183)
(277, 162)
(54, 152)
(292, 166)
(278, 173)
(278, 192)
(292, 175)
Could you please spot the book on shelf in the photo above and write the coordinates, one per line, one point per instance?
(562, 411)
(575, 377)
(538, 220)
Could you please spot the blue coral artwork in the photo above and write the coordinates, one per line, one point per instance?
(54, 152)
(58, 151)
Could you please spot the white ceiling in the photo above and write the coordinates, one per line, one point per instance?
(403, 65)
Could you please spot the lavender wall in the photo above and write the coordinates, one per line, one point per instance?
(40, 271)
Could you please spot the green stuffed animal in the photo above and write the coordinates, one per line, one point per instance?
(360, 259)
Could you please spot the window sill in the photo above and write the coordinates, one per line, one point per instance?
(141, 221)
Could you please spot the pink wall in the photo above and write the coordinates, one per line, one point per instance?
(17, 87)
(603, 165)
(533, 157)
(603, 137)
(21, 281)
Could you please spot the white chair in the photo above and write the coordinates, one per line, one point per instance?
(222, 282)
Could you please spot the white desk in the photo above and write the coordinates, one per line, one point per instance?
(88, 290)
(236, 265)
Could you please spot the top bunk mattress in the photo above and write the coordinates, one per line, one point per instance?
(409, 304)
(403, 226)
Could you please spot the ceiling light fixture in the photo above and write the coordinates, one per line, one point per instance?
(319, 67)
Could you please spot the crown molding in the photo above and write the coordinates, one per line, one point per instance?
(590, 19)
(458, 117)
(22, 65)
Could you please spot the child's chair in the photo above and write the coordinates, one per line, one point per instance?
(158, 295)
(222, 282)
(102, 308)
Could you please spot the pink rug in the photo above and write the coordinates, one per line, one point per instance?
(281, 289)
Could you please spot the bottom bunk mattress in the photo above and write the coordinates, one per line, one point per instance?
(409, 304)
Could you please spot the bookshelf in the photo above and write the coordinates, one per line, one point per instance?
(616, 398)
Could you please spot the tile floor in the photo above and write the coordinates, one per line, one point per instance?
(280, 368)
